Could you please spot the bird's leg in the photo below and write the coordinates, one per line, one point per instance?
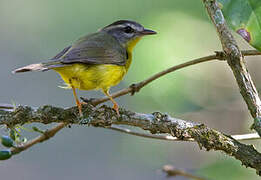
(115, 105)
(88, 100)
(78, 103)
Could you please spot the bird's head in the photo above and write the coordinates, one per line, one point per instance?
(128, 33)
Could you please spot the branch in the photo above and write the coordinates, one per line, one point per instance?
(220, 55)
(239, 137)
(147, 135)
(136, 87)
(172, 171)
(251, 136)
(155, 123)
(45, 136)
(236, 62)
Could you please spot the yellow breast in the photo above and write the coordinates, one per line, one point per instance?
(88, 77)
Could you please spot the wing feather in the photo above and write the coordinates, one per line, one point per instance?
(97, 48)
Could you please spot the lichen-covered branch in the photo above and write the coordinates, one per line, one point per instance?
(155, 123)
(236, 62)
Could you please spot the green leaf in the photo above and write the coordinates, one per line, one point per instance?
(226, 168)
(244, 17)
(7, 141)
(5, 154)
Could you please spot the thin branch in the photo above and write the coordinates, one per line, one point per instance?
(136, 87)
(251, 136)
(239, 137)
(172, 171)
(250, 52)
(147, 135)
(6, 106)
(235, 60)
(45, 136)
(155, 123)
(220, 55)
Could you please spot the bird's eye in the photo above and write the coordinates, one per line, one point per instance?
(128, 29)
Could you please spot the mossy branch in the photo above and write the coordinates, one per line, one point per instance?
(155, 123)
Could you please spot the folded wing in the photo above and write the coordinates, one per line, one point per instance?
(97, 48)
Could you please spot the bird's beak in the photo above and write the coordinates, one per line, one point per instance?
(148, 32)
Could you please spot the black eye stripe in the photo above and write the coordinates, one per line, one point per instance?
(128, 29)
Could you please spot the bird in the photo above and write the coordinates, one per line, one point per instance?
(96, 61)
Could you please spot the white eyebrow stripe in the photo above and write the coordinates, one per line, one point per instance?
(133, 26)
(116, 26)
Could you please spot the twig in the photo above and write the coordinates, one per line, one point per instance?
(239, 137)
(45, 136)
(251, 136)
(236, 62)
(147, 135)
(155, 123)
(172, 171)
(250, 52)
(6, 106)
(136, 87)
(220, 55)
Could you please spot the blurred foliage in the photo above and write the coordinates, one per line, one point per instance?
(165, 52)
(244, 17)
(227, 169)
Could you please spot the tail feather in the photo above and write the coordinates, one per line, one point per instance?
(38, 67)
(31, 67)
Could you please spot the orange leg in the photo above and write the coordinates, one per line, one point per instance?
(78, 103)
(115, 105)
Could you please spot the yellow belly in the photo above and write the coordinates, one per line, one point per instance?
(88, 77)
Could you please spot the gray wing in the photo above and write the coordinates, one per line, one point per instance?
(60, 54)
(98, 48)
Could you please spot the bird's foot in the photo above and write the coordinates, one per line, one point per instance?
(135, 88)
(79, 105)
(87, 100)
(116, 108)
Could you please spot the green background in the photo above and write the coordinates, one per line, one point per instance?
(33, 31)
